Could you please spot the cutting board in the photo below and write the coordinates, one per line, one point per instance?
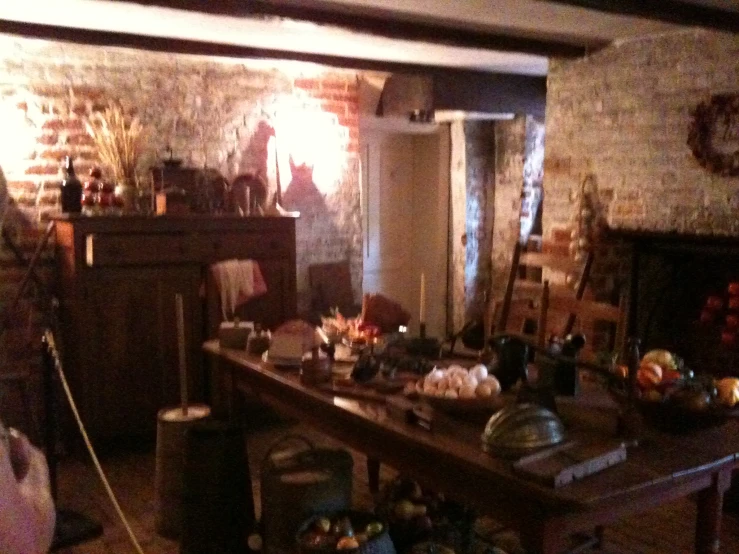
(571, 461)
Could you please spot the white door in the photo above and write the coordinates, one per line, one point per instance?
(387, 181)
(405, 190)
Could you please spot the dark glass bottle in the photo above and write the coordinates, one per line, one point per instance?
(71, 189)
(629, 422)
(566, 380)
(633, 359)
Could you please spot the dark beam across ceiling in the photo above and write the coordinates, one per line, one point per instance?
(390, 27)
(185, 46)
(670, 11)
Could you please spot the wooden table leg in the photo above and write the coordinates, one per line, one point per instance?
(542, 537)
(219, 397)
(232, 399)
(600, 532)
(709, 512)
(373, 474)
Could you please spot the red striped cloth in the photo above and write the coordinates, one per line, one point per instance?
(238, 281)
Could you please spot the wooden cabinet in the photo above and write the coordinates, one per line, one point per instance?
(117, 280)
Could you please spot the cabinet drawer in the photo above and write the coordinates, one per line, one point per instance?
(210, 247)
(137, 249)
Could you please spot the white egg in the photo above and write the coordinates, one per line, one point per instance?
(455, 382)
(451, 393)
(492, 382)
(470, 381)
(467, 391)
(483, 391)
(456, 369)
(479, 372)
(434, 375)
(443, 383)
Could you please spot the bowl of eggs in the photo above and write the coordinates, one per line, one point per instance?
(456, 389)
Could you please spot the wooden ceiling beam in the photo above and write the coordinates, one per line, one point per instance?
(503, 40)
(670, 11)
(194, 47)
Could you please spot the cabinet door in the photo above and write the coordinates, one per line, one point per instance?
(128, 346)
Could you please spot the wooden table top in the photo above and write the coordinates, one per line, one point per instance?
(458, 465)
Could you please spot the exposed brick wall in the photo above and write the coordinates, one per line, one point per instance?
(510, 139)
(329, 228)
(619, 120)
(533, 175)
(480, 208)
(215, 113)
(493, 165)
(519, 150)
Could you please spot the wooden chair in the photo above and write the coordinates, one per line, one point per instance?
(331, 287)
(529, 272)
(538, 316)
(592, 319)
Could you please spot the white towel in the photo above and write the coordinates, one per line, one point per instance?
(238, 282)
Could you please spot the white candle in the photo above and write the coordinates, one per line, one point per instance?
(422, 314)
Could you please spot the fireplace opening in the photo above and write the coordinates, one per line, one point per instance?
(688, 302)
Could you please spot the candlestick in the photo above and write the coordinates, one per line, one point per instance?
(422, 314)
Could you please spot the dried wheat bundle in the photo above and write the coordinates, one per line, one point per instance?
(119, 138)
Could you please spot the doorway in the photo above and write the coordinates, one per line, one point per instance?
(405, 204)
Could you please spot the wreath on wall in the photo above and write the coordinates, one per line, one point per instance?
(714, 134)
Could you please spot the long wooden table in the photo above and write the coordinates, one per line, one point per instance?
(660, 469)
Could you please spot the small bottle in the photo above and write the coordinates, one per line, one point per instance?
(71, 189)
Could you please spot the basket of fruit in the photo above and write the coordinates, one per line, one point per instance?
(456, 389)
(415, 515)
(672, 398)
(346, 531)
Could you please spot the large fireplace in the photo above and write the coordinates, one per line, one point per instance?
(687, 297)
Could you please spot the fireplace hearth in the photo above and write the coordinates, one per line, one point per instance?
(685, 297)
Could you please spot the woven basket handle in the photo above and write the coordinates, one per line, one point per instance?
(288, 438)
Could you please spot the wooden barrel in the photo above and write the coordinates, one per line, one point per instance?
(172, 426)
(218, 504)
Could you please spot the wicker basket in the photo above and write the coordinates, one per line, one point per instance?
(379, 544)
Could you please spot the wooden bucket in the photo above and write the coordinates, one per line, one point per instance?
(172, 426)
(218, 503)
(299, 483)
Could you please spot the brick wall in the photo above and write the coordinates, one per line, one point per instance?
(519, 151)
(480, 205)
(617, 124)
(510, 138)
(214, 113)
(493, 166)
